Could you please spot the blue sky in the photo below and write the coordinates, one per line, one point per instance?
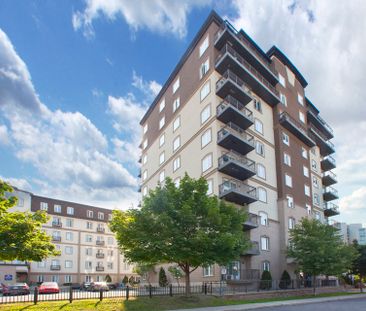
(76, 76)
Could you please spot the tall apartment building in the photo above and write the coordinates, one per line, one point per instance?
(240, 118)
(89, 250)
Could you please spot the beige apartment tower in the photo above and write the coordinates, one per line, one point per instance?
(239, 117)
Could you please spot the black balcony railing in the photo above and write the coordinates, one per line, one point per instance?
(329, 178)
(251, 222)
(57, 224)
(236, 165)
(253, 250)
(99, 255)
(56, 238)
(100, 229)
(330, 209)
(326, 146)
(99, 242)
(55, 267)
(320, 123)
(329, 194)
(237, 192)
(328, 163)
(99, 268)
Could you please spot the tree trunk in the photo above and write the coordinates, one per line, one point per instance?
(188, 281)
(314, 284)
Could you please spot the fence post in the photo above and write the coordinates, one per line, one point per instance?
(35, 300)
(127, 292)
(171, 290)
(205, 288)
(211, 288)
(70, 294)
(101, 294)
(150, 291)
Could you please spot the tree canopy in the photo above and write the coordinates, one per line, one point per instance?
(21, 234)
(359, 264)
(182, 225)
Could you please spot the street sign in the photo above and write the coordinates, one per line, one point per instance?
(8, 277)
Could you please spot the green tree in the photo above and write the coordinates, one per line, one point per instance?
(108, 278)
(181, 225)
(21, 234)
(125, 280)
(266, 280)
(144, 270)
(176, 272)
(163, 281)
(318, 249)
(359, 264)
(285, 281)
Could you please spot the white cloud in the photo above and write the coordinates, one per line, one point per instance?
(325, 42)
(149, 88)
(66, 148)
(162, 16)
(20, 183)
(4, 136)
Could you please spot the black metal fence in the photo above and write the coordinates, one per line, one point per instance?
(212, 288)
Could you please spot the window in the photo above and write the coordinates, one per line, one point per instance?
(283, 99)
(144, 175)
(261, 171)
(305, 171)
(262, 194)
(55, 278)
(301, 117)
(145, 128)
(44, 206)
(69, 222)
(20, 202)
(57, 208)
(162, 140)
(259, 148)
(161, 122)
(162, 105)
(176, 143)
(176, 85)
(110, 241)
(88, 238)
(40, 278)
(177, 182)
(110, 265)
(204, 46)
(56, 221)
(70, 210)
(205, 67)
(288, 180)
(316, 199)
(89, 214)
(100, 215)
(41, 264)
(208, 271)
(300, 99)
(206, 162)
(110, 252)
(162, 177)
(69, 236)
(88, 264)
(205, 114)
(88, 279)
(68, 278)
(176, 124)
(144, 191)
(144, 144)
(314, 166)
(315, 182)
(258, 125)
(144, 159)
(209, 186)
(266, 265)
(281, 79)
(68, 250)
(205, 90)
(307, 190)
(263, 218)
(291, 223)
(264, 243)
(308, 208)
(257, 105)
(290, 201)
(317, 215)
(89, 251)
(176, 164)
(206, 138)
(68, 264)
(287, 159)
(89, 225)
(162, 158)
(110, 217)
(176, 104)
(304, 153)
(286, 139)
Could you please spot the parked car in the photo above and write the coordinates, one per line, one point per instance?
(15, 289)
(97, 286)
(85, 286)
(73, 285)
(112, 285)
(49, 288)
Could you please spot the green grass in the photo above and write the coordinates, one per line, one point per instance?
(147, 304)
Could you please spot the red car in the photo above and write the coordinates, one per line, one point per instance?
(16, 289)
(49, 288)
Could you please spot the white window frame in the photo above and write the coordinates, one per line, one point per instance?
(69, 250)
(176, 164)
(282, 80)
(259, 148)
(162, 105)
(205, 114)
(288, 180)
(263, 219)
(283, 99)
(204, 46)
(176, 124)
(262, 194)
(209, 186)
(162, 176)
(162, 158)
(57, 208)
(264, 243)
(176, 143)
(144, 159)
(266, 265)
(176, 104)
(162, 140)
(290, 201)
(205, 90)
(257, 104)
(304, 153)
(161, 122)
(305, 170)
(89, 214)
(206, 138)
(208, 271)
(144, 144)
(176, 85)
(144, 175)
(207, 162)
(291, 223)
(258, 126)
(300, 99)
(43, 206)
(302, 117)
(307, 190)
(68, 264)
(286, 159)
(285, 139)
(261, 171)
(145, 128)
(205, 67)
(70, 210)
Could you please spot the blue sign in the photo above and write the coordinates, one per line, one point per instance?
(8, 277)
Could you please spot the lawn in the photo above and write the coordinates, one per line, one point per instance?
(147, 304)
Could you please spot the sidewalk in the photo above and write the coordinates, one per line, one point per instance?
(253, 306)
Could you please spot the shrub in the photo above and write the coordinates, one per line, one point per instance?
(285, 281)
(108, 278)
(163, 281)
(125, 280)
(266, 280)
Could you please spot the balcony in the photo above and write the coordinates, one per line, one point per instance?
(329, 178)
(56, 238)
(237, 192)
(100, 229)
(99, 242)
(55, 267)
(236, 166)
(99, 268)
(325, 146)
(231, 84)
(228, 34)
(295, 128)
(229, 59)
(320, 124)
(329, 194)
(330, 209)
(231, 110)
(232, 137)
(56, 224)
(139, 174)
(253, 250)
(327, 163)
(245, 275)
(99, 255)
(251, 222)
